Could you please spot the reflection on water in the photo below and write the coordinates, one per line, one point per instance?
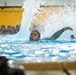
(41, 51)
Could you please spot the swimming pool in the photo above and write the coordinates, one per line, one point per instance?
(40, 51)
(43, 50)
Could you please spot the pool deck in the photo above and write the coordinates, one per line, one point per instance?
(48, 66)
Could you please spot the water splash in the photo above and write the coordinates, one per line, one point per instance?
(56, 21)
(30, 8)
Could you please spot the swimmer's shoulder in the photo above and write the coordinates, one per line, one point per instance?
(46, 39)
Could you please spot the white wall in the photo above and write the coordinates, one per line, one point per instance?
(60, 2)
(11, 2)
(47, 2)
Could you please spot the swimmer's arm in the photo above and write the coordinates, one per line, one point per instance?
(58, 33)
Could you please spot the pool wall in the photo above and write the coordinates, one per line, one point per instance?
(49, 68)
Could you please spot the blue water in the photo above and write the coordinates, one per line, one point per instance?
(40, 51)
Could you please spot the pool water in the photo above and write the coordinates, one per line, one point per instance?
(44, 50)
(39, 51)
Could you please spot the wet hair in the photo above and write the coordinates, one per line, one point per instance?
(72, 37)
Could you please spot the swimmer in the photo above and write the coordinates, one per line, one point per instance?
(35, 35)
(72, 37)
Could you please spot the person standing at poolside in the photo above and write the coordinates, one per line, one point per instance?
(35, 35)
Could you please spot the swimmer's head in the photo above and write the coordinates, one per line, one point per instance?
(34, 36)
(72, 37)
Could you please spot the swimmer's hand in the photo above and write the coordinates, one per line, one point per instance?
(68, 28)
